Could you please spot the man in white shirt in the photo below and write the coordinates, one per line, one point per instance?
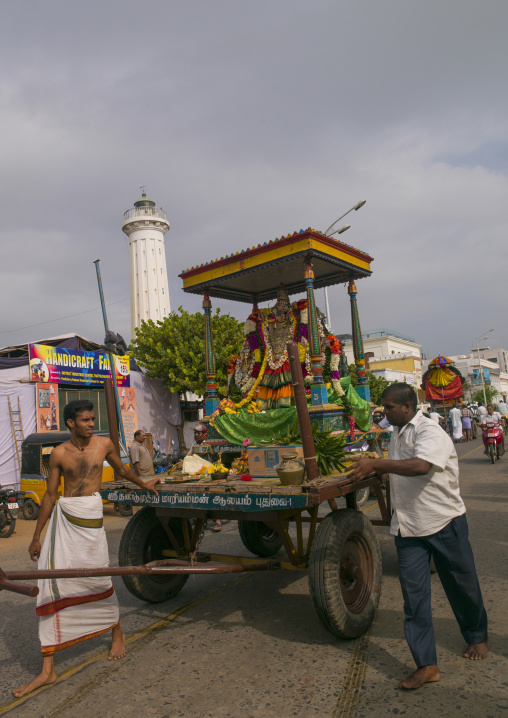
(502, 408)
(435, 416)
(429, 520)
(456, 419)
(480, 411)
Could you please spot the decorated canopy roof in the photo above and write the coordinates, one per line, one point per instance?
(255, 274)
(440, 361)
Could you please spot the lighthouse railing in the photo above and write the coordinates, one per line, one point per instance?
(144, 212)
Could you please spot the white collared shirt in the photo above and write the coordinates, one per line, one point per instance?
(494, 418)
(423, 505)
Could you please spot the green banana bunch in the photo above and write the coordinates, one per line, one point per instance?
(330, 450)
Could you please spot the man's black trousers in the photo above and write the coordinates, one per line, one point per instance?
(453, 557)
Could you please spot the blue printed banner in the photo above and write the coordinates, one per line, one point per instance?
(56, 365)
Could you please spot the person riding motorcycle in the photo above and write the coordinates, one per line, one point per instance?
(491, 418)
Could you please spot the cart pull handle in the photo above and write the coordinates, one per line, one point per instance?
(24, 588)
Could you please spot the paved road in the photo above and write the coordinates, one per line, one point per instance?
(252, 646)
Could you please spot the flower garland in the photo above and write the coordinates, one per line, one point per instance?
(232, 364)
(272, 363)
(226, 406)
(242, 378)
(246, 399)
(336, 353)
(247, 369)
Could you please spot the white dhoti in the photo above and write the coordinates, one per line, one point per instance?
(74, 609)
(456, 419)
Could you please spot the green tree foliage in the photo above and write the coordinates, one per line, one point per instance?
(490, 393)
(377, 385)
(174, 349)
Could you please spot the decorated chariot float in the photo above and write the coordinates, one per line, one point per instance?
(278, 444)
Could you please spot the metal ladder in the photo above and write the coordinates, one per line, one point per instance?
(17, 429)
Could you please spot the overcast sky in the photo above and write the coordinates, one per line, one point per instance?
(247, 121)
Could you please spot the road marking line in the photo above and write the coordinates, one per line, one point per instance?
(132, 638)
(354, 678)
(470, 452)
(374, 506)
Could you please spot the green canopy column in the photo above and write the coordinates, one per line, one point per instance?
(211, 401)
(362, 388)
(318, 392)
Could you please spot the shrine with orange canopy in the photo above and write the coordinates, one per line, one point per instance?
(442, 382)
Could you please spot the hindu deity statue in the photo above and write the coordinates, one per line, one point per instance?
(261, 373)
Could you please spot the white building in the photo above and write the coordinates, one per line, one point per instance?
(146, 225)
(469, 367)
(498, 356)
(388, 354)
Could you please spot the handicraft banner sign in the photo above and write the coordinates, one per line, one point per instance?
(56, 365)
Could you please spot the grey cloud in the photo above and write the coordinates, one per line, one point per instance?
(247, 121)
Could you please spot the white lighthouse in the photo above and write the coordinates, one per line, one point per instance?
(146, 225)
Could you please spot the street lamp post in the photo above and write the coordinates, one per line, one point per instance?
(478, 340)
(356, 207)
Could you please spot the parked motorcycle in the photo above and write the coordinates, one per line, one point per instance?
(8, 511)
(163, 462)
(491, 432)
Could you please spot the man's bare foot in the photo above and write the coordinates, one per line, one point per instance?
(117, 644)
(425, 674)
(43, 679)
(476, 651)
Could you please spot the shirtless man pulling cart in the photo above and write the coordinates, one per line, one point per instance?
(72, 610)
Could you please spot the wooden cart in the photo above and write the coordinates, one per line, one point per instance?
(340, 551)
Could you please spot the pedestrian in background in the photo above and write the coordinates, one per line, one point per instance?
(435, 416)
(456, 421)
(140, 458)
(467, 418)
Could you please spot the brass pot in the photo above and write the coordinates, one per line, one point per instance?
(291, 470)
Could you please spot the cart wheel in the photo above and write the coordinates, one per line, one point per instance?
(345, 573)
(362, 496)
(259, 539)
(123, 509)
(492, 453)
(7, 523)
(30, 510)
(144, 540)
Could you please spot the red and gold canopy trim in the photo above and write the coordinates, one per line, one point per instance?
(280, 260)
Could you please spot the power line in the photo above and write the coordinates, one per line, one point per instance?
(69, 316)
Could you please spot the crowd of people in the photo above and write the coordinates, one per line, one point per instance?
(461, 420)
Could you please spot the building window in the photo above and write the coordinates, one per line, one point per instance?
(96, 396)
